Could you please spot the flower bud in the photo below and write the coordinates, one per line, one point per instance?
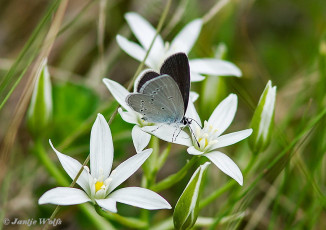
(186, 210)
(263, 119)
(40, 108)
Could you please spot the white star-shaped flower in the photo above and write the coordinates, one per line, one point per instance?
(209, 137)
(183, 42)
(99, 182)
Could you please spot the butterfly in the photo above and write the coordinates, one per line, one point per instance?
(163, 97)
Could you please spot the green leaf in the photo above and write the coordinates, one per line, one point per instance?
(72, 105)
(174, 178)
(186, 210)
(163, 157)
(262, 121)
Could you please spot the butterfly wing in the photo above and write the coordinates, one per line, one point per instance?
(177, 66)
(149, 75)
(159, 100)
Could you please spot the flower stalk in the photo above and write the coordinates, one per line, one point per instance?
(125, 221)
(48, 163)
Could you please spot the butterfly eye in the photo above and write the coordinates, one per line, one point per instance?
(162, 108)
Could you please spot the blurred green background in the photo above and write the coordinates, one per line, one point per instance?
(282, 41)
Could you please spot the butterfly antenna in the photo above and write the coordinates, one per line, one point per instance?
(195, 121)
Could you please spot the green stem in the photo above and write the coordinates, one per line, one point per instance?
(251, 163)
(144, 216)
(174, 178)
(216, 194)
(162, 158)
(150, 164)
(48, 163)
(227, 186)
(149, 176)
(126, 221)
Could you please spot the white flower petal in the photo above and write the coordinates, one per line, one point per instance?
(144, 32)
(133, 49)
(187, 37)
(231, 138)
(192, 113)
(224, 113)
(193, 96)
(72, 167)
(226, 165)
(213, 66)
(100, 194)
(140, 197)
(127, 168)
(193, 151)
(169, 133)
(130, 116)
(92, 182)
(101, 148)
(140, 138)
(64, 196)
(118, 92)
(108, 204)
(194, 77)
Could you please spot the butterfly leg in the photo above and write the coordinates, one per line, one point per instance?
(174, 136)
(180, 129)
(157, 128)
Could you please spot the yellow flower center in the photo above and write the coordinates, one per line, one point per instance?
(206, 136)
(98, 185)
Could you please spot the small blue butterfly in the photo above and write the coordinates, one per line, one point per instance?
(163, 97)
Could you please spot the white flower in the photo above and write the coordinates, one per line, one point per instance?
(209, 137)
(183, 42)
(120, 93)
(98, 183)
